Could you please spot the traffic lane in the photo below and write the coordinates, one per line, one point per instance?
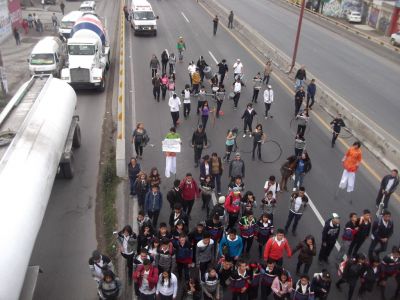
(68, 234)
(148, 109)
(334, 59)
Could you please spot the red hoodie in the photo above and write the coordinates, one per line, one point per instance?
(232, 203)
(275, 251)
(152, 278)
(189, 191)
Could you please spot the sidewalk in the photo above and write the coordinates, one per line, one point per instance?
(15, 57)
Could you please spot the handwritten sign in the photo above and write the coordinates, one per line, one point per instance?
(171, 145)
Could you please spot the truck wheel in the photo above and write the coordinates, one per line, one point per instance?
(67, 170)
(102, 86)
(76, 140)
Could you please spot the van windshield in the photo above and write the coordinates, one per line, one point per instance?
(81, 49)
(86, 8)
(67, 24)
(42, 59)
(143, 15)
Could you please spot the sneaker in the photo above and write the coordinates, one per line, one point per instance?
(294, 189)
(266, 118)
(250, 134)
(244, 135)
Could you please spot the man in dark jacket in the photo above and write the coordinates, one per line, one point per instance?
(133, 171)
(382, 230)
(336, 125)
(330, 234)
(174, 195)
(364, 228)
(247, 118)
(222, 70)
(201, 64)
(153, 204)
(311, 90)
(178, 215)
(370, 277)
(388, 186)
(215, 23)
(230, 20)
(352, 272)
(199, 141)
(301, 76)
(156, 81)
(298, 100)
(321, 284)
(236, 167)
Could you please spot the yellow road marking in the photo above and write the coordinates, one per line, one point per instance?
(290, 90)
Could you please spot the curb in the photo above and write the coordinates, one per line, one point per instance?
(347, 27)
(377, 140)
(120, 142)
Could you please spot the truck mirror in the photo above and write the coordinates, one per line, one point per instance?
(157, 17)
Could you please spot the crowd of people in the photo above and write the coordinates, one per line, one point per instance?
(212, 259)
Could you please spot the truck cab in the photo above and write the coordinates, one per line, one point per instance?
(67, 22)
(142, 18)
(88, 7)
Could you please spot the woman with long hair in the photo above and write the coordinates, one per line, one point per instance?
(127, 240)
(139, 139)
(154, 177)
(229, 143)
(307, 252)
(205, 111)
(141, 188)
(167, 286)
(259, 138)
(287, 170)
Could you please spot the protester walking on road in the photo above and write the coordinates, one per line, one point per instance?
(336, 125)
(311, 91)
(247, 118)
(330, 234)
(302, 121)
(174, 103)
(140, 139)
(190, 192)
(237, 69)
(62, 7)
(54, 20)
(172, 63)
(110, 287)
(199, 142)
(287, 170)
(307, 252)
(259, 138)
(276, 246)
(222, 70)
(364, 229)
(299, 145)
(321, 284)
(156, 81)
(133, 171)
(164, 85)
(264, 229)
(301, 77)
(352, 272)
(186, 101)
(351, 161)
(230, 20)
(17, 36)
(237, 88)
(349, 231)
(181, 47)
(298, 100)
(382, 230)
(298, 203)
(388, 186)
(153, 204)
(236, 167)
(141, 188)
(230, 141)
(268, 99)
(215, 25)
(154, 65)
(216, 171)
(170, 160)
(146, 278)
(164, 61)
(267, 72)
(99, 263)
(303, 166)
(257, 82)
(127, 240)
(205, 112)
(232, 208)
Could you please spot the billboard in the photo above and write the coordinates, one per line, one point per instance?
(14, 8)
(5, 24)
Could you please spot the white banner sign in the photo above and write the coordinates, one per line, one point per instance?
(171, 145)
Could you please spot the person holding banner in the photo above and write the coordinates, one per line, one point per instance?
(170, 160)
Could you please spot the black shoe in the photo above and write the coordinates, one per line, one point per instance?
(338, 287)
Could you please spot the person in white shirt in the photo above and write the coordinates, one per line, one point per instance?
(237, 68)
(191, 70)
(237, 88)
(174, 103)
(167, 286)
(186, 101)
(272, 185)
(298, 203)
(388, 186)
(268, 99)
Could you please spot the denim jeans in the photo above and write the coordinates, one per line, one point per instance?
(298, 179)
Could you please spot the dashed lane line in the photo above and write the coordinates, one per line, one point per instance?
(183, 15)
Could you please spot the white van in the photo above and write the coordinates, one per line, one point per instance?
(47, 57)
(67, 22)
(88, 7)
(142, 17)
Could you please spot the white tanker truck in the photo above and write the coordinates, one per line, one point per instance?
(88, 54)
(38, 131)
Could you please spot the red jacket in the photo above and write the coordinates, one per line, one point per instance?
(152, 278)
(275, 251)
(189, 191)
(232, 203)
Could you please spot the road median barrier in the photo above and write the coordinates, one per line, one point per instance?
(120, 141)
(383, 145)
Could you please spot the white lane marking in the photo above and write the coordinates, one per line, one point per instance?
(183, 15)
(319, 217)
(213, 57)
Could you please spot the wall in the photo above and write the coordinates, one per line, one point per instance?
(5, 24)
(14, 8)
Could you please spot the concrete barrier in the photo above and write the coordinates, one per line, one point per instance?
(383, 145)
(120, 141)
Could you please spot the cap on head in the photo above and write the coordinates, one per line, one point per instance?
(221, 200)
(96, 255)
(237, 154)
(269, 86)
(335, 216)
(238, 59)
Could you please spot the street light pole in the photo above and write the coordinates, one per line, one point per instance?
(296, 44)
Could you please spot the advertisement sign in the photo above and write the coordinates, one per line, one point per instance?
(14, 8)
(171, 145)
(5, 24)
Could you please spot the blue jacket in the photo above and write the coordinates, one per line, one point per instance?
(235, 247)
(152, 203)
(311, 89)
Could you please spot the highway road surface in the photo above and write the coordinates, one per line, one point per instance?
(359, 74)
(188, 19)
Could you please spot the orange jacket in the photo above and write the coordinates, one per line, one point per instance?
(275, 251)
(352, 159)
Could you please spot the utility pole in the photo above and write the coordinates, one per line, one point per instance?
(296, 44)
(2, 87)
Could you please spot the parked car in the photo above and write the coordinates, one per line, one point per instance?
(353, 16)
(395, 39)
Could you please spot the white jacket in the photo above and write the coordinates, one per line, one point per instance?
(166, 290)
(268, 96)
(174, 104)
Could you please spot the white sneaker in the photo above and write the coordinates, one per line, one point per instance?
(244, 135)
(266, 118)
(294, 189)
(250, 134)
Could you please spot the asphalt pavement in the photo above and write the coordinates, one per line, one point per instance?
(68, 233)
(187, 19)
(357, 73)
